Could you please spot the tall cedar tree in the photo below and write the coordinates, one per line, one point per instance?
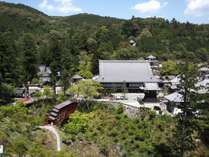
(203, 118)
(66, 69)
(69, 59)
(9, 67)
(185, 119)
(55, 54)
(29, 62)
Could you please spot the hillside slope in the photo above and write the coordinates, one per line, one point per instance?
(18, 18)
(90, 19)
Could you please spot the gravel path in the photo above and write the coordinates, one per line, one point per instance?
(55, 133)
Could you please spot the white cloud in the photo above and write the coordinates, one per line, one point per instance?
(150, 6)
(197, 7)
(59, 6)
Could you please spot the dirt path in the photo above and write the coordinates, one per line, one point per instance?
(55, 133)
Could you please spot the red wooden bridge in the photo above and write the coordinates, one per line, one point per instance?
(61, 112)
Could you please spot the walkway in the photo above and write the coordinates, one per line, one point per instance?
(55, 133)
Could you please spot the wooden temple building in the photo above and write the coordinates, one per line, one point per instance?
(133, 75)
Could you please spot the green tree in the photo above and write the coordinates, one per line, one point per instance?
(203, 54)
(85, 67)
(77, 123)
(86, 88)
(44, 54)
(125, 53)
(6, 92)
(91, 45)
(69, 60)
(10, 67)
(47, 92)
(9, 63)
(55, 54)
(146, 42)
(130, 28)
(202, 120)
(185, 119)
(29, 62)
(169, 68)
(145, 33)
(102, 34)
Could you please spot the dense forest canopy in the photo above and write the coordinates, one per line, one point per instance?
(30, 38)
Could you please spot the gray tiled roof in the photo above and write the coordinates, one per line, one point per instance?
(152, 87)
(175, 97)
(125, 71)
(151, 57)
(76, 76)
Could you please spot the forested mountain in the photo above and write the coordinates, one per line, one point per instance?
(90, 19)
(18, 18)
(74, 44)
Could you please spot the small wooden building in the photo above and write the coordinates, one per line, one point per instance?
(173, 101)
(44, 74)
(76, 78)
(61, 112)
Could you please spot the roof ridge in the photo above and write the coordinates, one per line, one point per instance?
(123, 61)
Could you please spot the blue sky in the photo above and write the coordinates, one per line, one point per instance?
(196, 11)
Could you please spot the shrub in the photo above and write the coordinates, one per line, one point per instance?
(120, 109)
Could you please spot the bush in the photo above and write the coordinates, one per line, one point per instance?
(120, 109)
(77, 123)
(106, 127)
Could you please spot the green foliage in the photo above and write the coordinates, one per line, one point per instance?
(86, 88)
(55, 54)
(59, 42)
(169, 68)
(68, 60)
(130, 28)
(120, 109)
(9, 64)
(90, 32)
(35, 81)
(30, 38)
(91, 45)
(20, 135)
(108, 127)
(6, 92)
(90, 19)
(18, 132)
(30, 68)
(185, 120)
(203, 54)
(62, 97)
(77, 123)
(26, 18)
(125, 53)
(145, 34)
(45, 93)
(85, 67)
